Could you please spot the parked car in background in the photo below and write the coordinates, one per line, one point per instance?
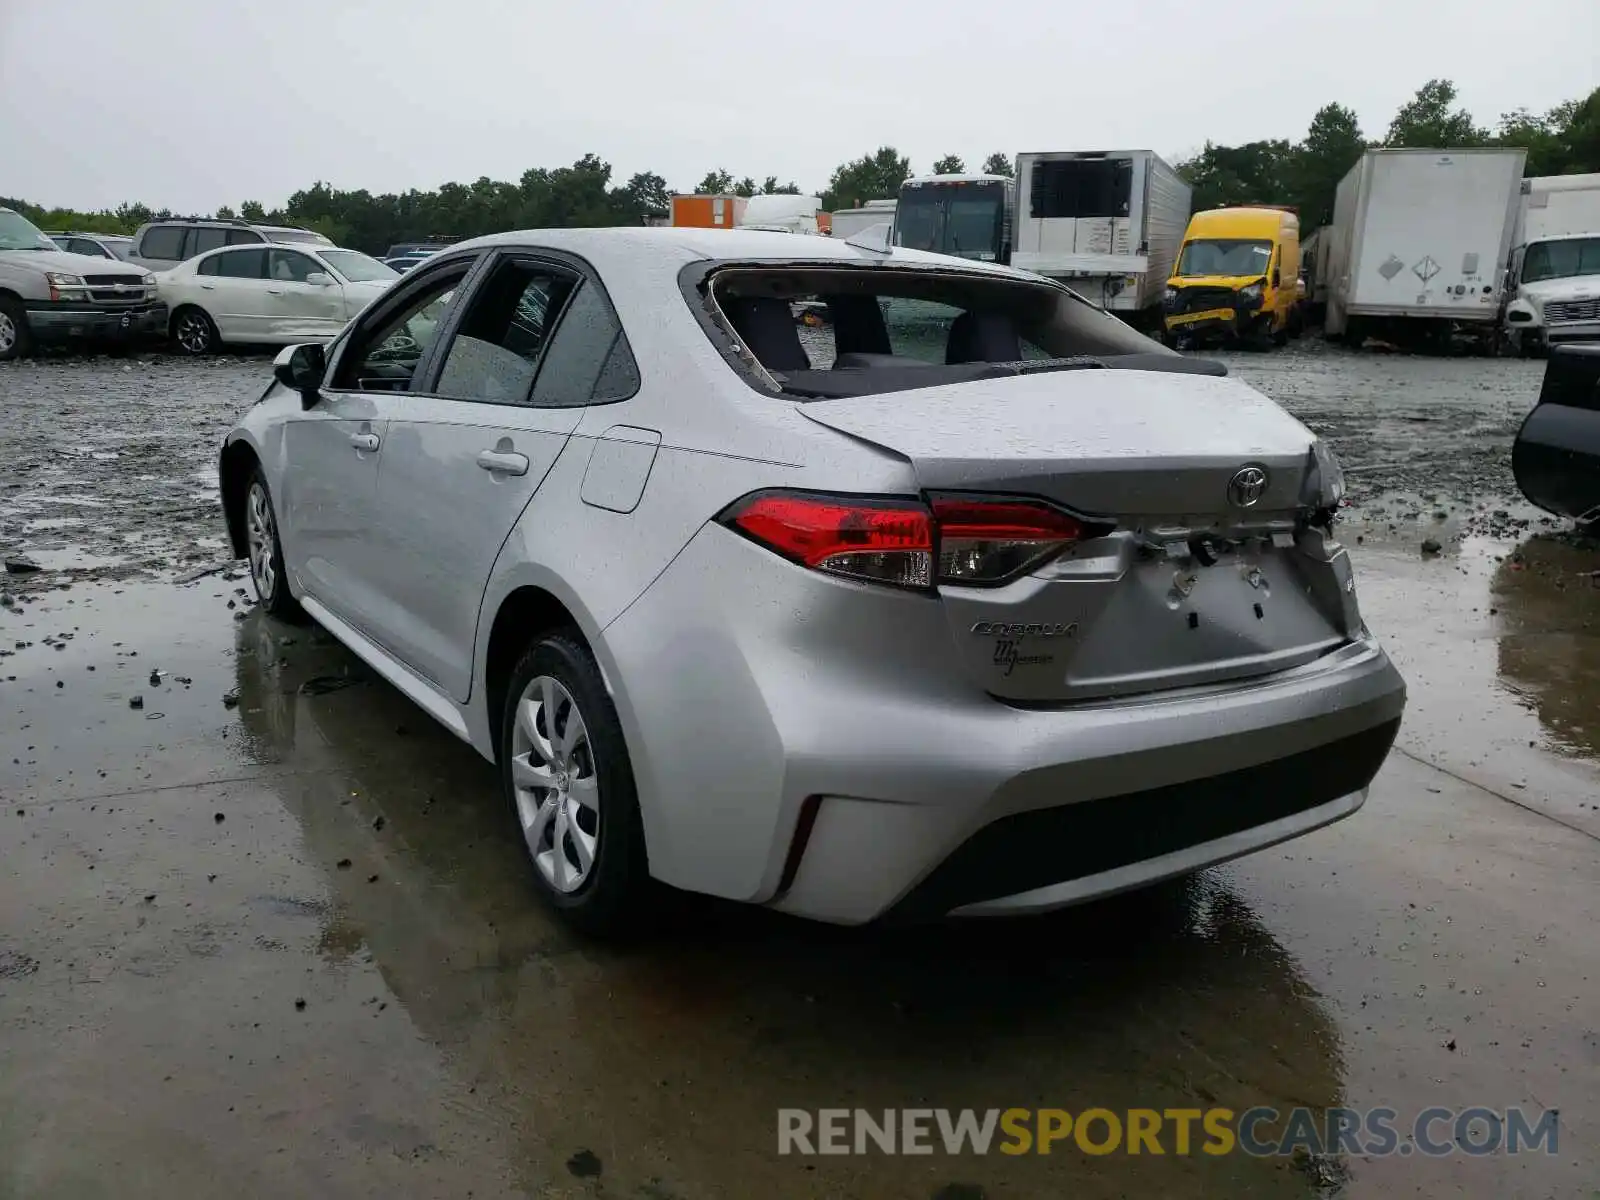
(422, 249)
(49, 295)
(404, 262)
(268, 295)
(1237, 278)
(162, 245)
(95, 245)
(1556, 454)
(902, 620)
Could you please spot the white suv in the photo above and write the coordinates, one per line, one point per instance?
(162, 245)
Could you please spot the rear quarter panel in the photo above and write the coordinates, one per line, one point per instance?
(720, 439)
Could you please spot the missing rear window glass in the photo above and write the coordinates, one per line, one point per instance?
(820, 331)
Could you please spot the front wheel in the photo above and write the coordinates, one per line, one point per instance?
(267, 571)
(564, 768)
(193, 332)
(15, 337)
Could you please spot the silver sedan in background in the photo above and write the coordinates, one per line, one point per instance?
(961, 598)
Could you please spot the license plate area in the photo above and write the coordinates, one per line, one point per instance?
(1138, 619)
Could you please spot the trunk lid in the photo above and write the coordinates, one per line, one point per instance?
(1182, 582)
(1120, 444)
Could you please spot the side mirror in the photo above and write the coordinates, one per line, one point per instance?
(300, 368)
(319, 279)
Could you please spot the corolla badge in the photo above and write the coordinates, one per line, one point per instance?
(1247, 486)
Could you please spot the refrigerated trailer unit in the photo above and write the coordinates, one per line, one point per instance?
(1108, 223)
(1419, 241)
(1558, 205)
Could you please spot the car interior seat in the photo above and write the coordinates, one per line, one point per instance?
(982, 337)
(767, 327)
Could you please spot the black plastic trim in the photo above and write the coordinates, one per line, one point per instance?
(1056, 845)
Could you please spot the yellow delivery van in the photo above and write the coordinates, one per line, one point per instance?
(1236, 278)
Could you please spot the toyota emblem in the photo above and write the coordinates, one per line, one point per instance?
(1247, 486)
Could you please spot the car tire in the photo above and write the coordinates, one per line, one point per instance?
(16, 339)
(265, 552)
(571, 792)
(193, 331)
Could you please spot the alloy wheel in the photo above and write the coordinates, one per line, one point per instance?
(8, 333)
(557, 791)
(194, 332)
(261, 535)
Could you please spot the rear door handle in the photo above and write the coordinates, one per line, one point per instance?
(274, 291)
(209, 287)
(364, 441)
(506, 462)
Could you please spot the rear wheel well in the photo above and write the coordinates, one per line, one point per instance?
(524, 615)
(238, 461)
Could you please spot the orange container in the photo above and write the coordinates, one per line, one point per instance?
(707, 212)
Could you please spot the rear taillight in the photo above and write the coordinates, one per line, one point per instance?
(975, 542)
(883, 541)
(990, 541)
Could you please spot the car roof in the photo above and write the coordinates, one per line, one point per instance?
(1240, 222)
(222, 223)
(684, 244)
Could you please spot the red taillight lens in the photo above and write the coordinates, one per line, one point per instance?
(881, 541)
(979, 541)
(989, 541)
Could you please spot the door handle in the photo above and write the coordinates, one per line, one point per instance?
(364, 441)
(274, 291)
(507, 462)
(208, 287)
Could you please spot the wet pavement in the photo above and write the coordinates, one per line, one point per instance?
(270, 933)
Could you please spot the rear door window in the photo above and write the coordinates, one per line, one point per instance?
(497, 348)
(163, 241)
(589, 360)
(207, 238)
(240, 264)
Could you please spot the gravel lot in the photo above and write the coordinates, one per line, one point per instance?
(268, 933)
(107, 464)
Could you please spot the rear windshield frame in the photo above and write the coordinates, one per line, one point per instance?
(696, 278)
(696, 281)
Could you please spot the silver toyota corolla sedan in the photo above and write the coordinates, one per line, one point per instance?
(851, 583)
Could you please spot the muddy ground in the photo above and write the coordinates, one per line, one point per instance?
(268, 933)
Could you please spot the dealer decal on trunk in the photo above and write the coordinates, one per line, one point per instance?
(1008, 636)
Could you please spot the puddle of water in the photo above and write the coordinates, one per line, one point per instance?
(1499, 643)
(74, 558)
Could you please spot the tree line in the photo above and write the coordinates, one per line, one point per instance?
(1304, 174)
(1301, 174)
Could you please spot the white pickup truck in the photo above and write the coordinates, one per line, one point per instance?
(50, 296)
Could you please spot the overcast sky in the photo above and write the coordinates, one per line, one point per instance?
(191, 105)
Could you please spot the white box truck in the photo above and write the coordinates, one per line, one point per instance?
(847, 222)
(1418, 244)
(1108, 223)
(1555, 269)
(780, 212)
